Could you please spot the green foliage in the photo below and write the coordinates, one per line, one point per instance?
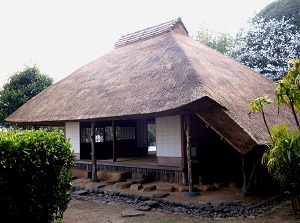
(21, 87)
(282, 158)
(257, 104)
(282, 9)
(35, 179)
(222, 42)
(151, 137)
(288, 90)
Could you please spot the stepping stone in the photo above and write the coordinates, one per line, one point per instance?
(135, 181)
(111, 182)
(144, 208)
(151, 203)
(182, 188)
(113, 175)
(136, 187)
(165, 188)
(159, 195)
(122, 185)
(220, 185)
(132, 213)
(149, 188)
(81, 192)
(206, 187)
(94, 185)
(191, 194)
(101, 185)
(81, 173)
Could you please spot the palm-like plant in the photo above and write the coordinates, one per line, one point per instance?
(282, 156)
(257, 105)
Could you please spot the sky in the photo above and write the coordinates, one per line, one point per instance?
(60, 36)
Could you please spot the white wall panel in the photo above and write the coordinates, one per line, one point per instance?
(72, 131)
(168, 136)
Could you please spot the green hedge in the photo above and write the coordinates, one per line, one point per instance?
(35, 179)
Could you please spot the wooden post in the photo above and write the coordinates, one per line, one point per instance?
(93, 153)
(183, 150)
(188, 150)
(249, 179)
(114, 141)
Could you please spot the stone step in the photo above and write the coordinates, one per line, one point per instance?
(113, 175)
(136, 187)
(165, 188)
(159, 195)
(81, 173)
(122, 185)
(132, 213)
(149, 188)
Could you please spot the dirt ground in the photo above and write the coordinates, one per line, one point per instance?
(93, 211)
(86, 210)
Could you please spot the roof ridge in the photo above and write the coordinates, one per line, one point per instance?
(148, 32)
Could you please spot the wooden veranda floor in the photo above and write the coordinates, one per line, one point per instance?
(148, 161)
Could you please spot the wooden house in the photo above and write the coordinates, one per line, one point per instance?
(160, 76)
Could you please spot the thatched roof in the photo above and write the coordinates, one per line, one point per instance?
(167, 73)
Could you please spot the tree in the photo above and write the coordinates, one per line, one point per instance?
(220, 41)
(282, 156)
(21, 87)
(266, 45)
(151, 135)
(282, 9)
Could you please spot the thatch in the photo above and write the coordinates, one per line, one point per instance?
(165, 73)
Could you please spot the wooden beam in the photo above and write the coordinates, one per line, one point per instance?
(210, 126)
(114, 141)
(93, 151)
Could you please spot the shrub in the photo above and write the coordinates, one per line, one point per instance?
(35, 179)
(151, 137)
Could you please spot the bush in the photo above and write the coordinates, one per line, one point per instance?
(35, 179)
(151, 137)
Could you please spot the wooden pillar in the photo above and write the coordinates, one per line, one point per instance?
(188, 150)
(114, 141)
(249, 168)
(93, 151)
(183, 150)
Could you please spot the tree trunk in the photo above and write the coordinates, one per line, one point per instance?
(93, 153)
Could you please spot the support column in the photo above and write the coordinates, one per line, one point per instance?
(93, 151)
(249, 168)
(187, 129)
(183, 150)
(114, 141)
(188, 150)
